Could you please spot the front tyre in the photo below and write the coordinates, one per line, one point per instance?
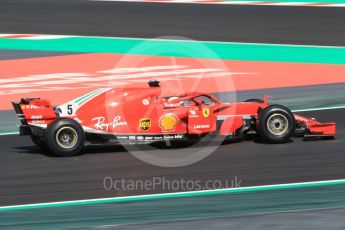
(65, 138)
(276, 124)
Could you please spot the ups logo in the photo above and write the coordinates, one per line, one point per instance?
(145, 124)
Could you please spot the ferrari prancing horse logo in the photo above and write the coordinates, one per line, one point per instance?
(206, 112)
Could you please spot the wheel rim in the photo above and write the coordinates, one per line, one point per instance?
(277, 124)
(66, 137)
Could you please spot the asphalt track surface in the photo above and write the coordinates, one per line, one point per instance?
(27, 176)
(18, 54)
(262, 24)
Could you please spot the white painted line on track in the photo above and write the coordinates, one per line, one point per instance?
(319, 109)
(214, 42)
(239, 2)
(174, 195)
(6, 35)
(45, 37)
(188, 41)
(8, 133)
(235, 2)
(290, 3)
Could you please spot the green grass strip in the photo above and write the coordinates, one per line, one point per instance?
(192, 49)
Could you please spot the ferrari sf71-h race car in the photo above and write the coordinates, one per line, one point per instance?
(141, 115)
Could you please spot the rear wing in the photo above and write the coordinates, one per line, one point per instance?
(19, 112)
(33, 111)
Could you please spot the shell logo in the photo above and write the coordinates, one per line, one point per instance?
(168, 122)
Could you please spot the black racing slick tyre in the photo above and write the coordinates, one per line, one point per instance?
(255, 100)
(65, 138)
(276, 124)
(38, 142)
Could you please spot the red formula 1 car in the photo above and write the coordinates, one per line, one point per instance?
(142, 115)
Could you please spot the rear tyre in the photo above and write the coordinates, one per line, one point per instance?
(37, 141)
(65, 138)
(276, 124)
